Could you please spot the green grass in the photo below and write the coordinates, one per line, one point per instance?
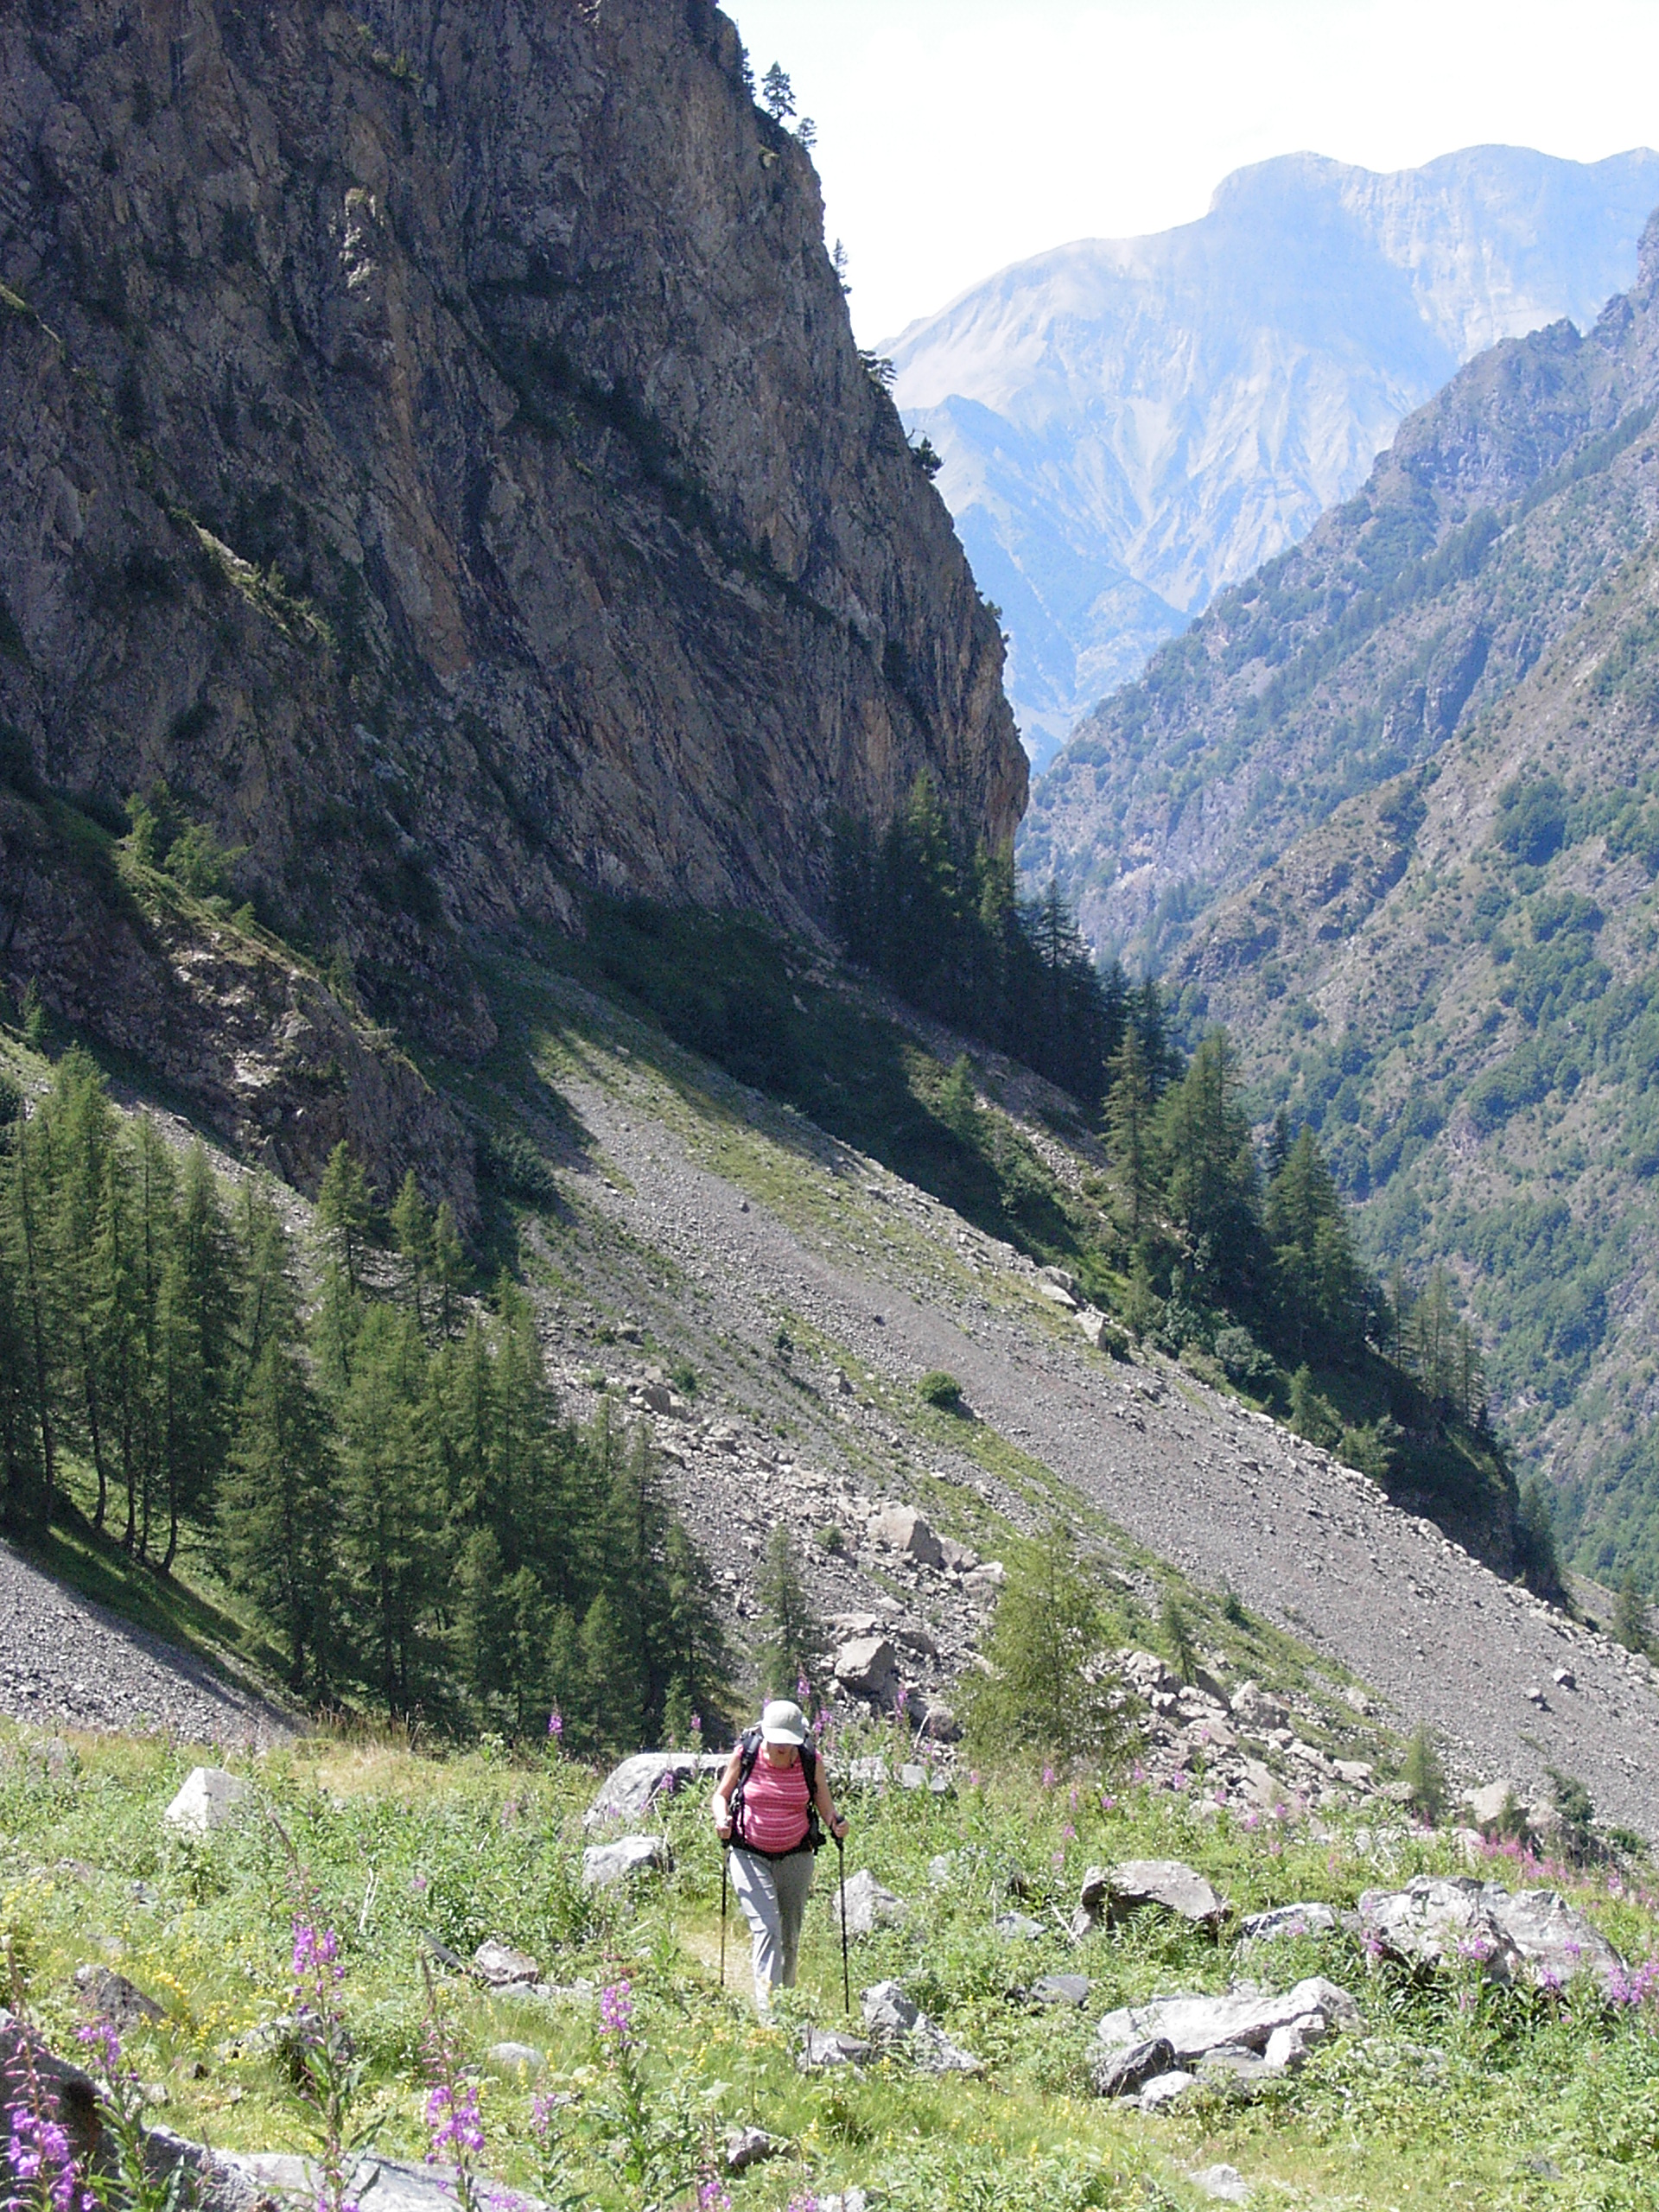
(1446, 2092)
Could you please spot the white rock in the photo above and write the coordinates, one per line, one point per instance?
(515, 2058)
(208, 1798)
(629, 1790)
(604, 1864)
(1163, 2088)
(1224, 2184)
(869, 1906)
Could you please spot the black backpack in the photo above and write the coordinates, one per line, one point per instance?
(749, 1746)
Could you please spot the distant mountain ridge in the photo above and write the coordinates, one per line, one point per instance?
(1129, 425)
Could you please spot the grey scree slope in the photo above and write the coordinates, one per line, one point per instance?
(64, 1660)
(1228, 1499)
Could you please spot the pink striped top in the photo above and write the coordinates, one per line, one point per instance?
(774, 1806)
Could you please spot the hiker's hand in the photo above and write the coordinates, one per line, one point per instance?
(839, 1826)
(723, 1829)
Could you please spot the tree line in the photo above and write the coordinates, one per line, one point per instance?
(374, 1459)
(1208, 1228)
(949, 934)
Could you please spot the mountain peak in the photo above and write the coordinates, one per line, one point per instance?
(1129, 425)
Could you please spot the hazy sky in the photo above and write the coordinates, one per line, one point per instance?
(956, 136)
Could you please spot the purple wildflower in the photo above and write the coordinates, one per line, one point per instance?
(457, 2125)
(713, 2195)
(39, 2151)
(616, 2012)
(696, 1723)
(100, 2035)
(555, 1726)
(1049, 1777)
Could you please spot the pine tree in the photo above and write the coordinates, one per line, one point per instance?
(1129, 1128)
(791, 1635)
(29, 1244)
(1211, 1181)
(449, 1267)
(412, 1230)
(153, 1188)
(78, 1124)
(1424, 1776)
(280, 1512)
(777, 93)
(197, 1310)
(1630, 1616)
(1320, 1288)
(1044, 1695)
(345, 1213)
(613, 1687)
(20, 1473)
(388, 1516)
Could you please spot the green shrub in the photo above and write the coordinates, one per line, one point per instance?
(941, 1389)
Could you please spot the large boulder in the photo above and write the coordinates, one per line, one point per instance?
(629, 1791)
(208, 1798)
(869, 1666)
(901, 1529)
(1534, 1935)
(1194, 2026)
(822, 2047)
(1136, 1885)
(868, 1905)
(604, 1864)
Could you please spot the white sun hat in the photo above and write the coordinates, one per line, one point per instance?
(783, 1722)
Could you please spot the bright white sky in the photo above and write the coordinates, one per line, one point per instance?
(957, 135)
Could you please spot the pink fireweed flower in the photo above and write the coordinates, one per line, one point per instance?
(616, 2010)
(713, 2195)
(39, 2150)
(316, 1960)
(456, 2125)
(696, 1723)
(556, 1726)
(100, 2035)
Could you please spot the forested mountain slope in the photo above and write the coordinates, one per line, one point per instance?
(1455, 976)
(1420, 603)
(433, 446)
(1129, 425)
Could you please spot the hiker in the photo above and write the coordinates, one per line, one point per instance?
(767, 1805)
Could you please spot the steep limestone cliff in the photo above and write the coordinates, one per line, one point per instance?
(434, 444)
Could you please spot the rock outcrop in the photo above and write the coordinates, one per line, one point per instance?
(437, 449)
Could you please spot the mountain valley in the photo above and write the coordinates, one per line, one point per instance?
(1128, 426)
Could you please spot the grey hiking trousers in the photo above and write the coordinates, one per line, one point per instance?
(773, 1893)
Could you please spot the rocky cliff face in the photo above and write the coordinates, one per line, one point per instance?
(433, 444)
(1130, 425)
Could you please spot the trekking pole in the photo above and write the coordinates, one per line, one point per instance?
(725, 1869)
(846, 1972)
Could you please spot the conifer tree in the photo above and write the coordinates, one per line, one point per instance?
(344, 1212)
(612, 1680)
(77, 1123)
(449, 1267)
(28, 1242)
(1044, 1695)
(791, 1635)
(280, 1518)
(412, 1230)
(1129, 1128)
(1211, 1181)
(1318, 1272)
(388, 1518)
(196, 1313)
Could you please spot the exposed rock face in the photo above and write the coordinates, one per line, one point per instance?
(439, 449)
